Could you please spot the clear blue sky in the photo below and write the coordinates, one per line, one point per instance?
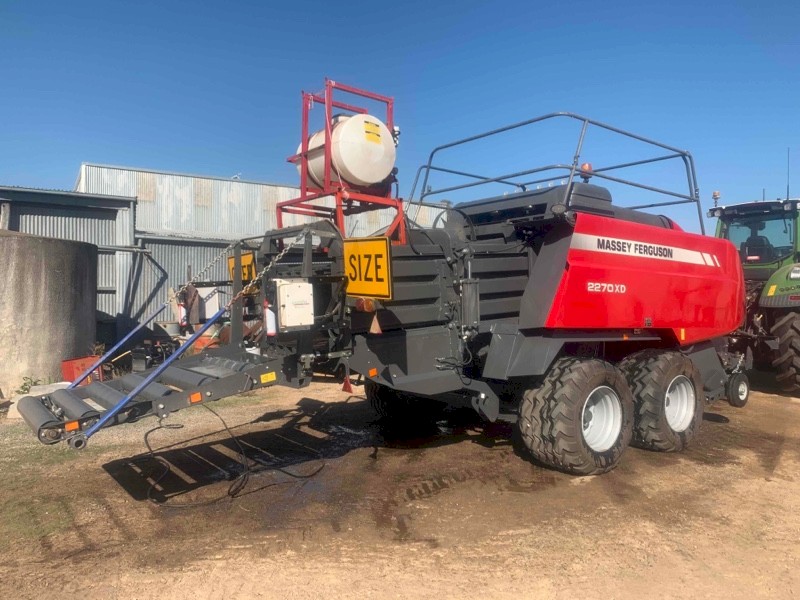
(213, 87)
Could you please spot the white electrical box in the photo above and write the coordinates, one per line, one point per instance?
(295, 304)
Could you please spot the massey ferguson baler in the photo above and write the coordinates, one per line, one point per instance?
(588, 324)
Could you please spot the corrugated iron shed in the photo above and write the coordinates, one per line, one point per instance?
(211, 207)
(155, 228)
(100, 219)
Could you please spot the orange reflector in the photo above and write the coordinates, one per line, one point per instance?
(372, 372)
(72, 426)
(195, 398)
(365, 305)
(625, 337)
(683, 334)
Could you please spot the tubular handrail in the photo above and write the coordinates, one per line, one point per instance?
(673, 153)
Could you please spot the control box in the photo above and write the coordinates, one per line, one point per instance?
(294, 303)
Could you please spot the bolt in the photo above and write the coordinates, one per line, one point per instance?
(208, 394)
(161, 406)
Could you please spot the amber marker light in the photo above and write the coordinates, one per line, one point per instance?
(365, 305)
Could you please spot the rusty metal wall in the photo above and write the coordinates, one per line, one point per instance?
(214, 208)
(172, 203)
(169, 264)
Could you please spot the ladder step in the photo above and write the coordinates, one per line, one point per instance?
(152, 392)
(184, 379)
(72, 405)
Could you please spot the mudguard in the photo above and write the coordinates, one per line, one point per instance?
(780, 291)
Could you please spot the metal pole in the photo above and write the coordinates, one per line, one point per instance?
(237, 318)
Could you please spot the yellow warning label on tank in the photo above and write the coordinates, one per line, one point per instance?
(372, 132)
(771, 290)
(267, 377)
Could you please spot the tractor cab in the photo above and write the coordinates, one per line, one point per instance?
(765, 233)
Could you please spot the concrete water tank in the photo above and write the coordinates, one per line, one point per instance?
(362, 152)
(48, 297)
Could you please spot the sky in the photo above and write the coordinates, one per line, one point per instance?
(213, 88)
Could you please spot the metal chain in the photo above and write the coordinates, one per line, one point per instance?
(200, 274)
(257, 279)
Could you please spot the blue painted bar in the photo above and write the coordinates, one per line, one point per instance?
(110, 414)
(119, 344)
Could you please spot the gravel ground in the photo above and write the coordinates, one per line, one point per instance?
(336, 507)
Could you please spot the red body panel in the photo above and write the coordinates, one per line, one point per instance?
(627, 275)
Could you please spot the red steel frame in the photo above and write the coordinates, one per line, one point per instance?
(347, 202)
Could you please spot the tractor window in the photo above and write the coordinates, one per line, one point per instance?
(762, 238)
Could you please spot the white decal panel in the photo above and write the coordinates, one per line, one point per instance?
(609, 245)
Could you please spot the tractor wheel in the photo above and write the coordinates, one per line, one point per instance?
(394, 406)
(787, 364)
(579, 419)
(737, 389)
(668, 396)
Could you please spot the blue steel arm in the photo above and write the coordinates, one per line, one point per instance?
(118, 345)
(110, 414)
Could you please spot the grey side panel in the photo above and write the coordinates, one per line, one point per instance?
(410, 352)
(406, 360)
(513, 354)
(545, 277)
(705, 358)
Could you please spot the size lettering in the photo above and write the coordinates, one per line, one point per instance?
(366, 267)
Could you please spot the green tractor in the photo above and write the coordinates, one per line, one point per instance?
(766, 235)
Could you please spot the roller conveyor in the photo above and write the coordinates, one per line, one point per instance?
(64, 414)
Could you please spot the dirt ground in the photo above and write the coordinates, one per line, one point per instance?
(334, 507)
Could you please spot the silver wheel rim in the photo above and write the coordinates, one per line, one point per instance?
(741, 390)
(601, 418)
(679, 403)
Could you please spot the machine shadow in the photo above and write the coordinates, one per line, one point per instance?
(293, 444)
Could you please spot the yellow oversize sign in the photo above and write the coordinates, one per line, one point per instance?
(368, 267)
(248, 266)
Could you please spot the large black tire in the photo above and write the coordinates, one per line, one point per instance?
(787, 364)
(393, 406)
(552, 416)
(650, 373)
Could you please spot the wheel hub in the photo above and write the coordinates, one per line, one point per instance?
(679, 403)
(601, 418)
(741, 390)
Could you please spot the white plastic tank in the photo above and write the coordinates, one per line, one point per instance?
(362, 152)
